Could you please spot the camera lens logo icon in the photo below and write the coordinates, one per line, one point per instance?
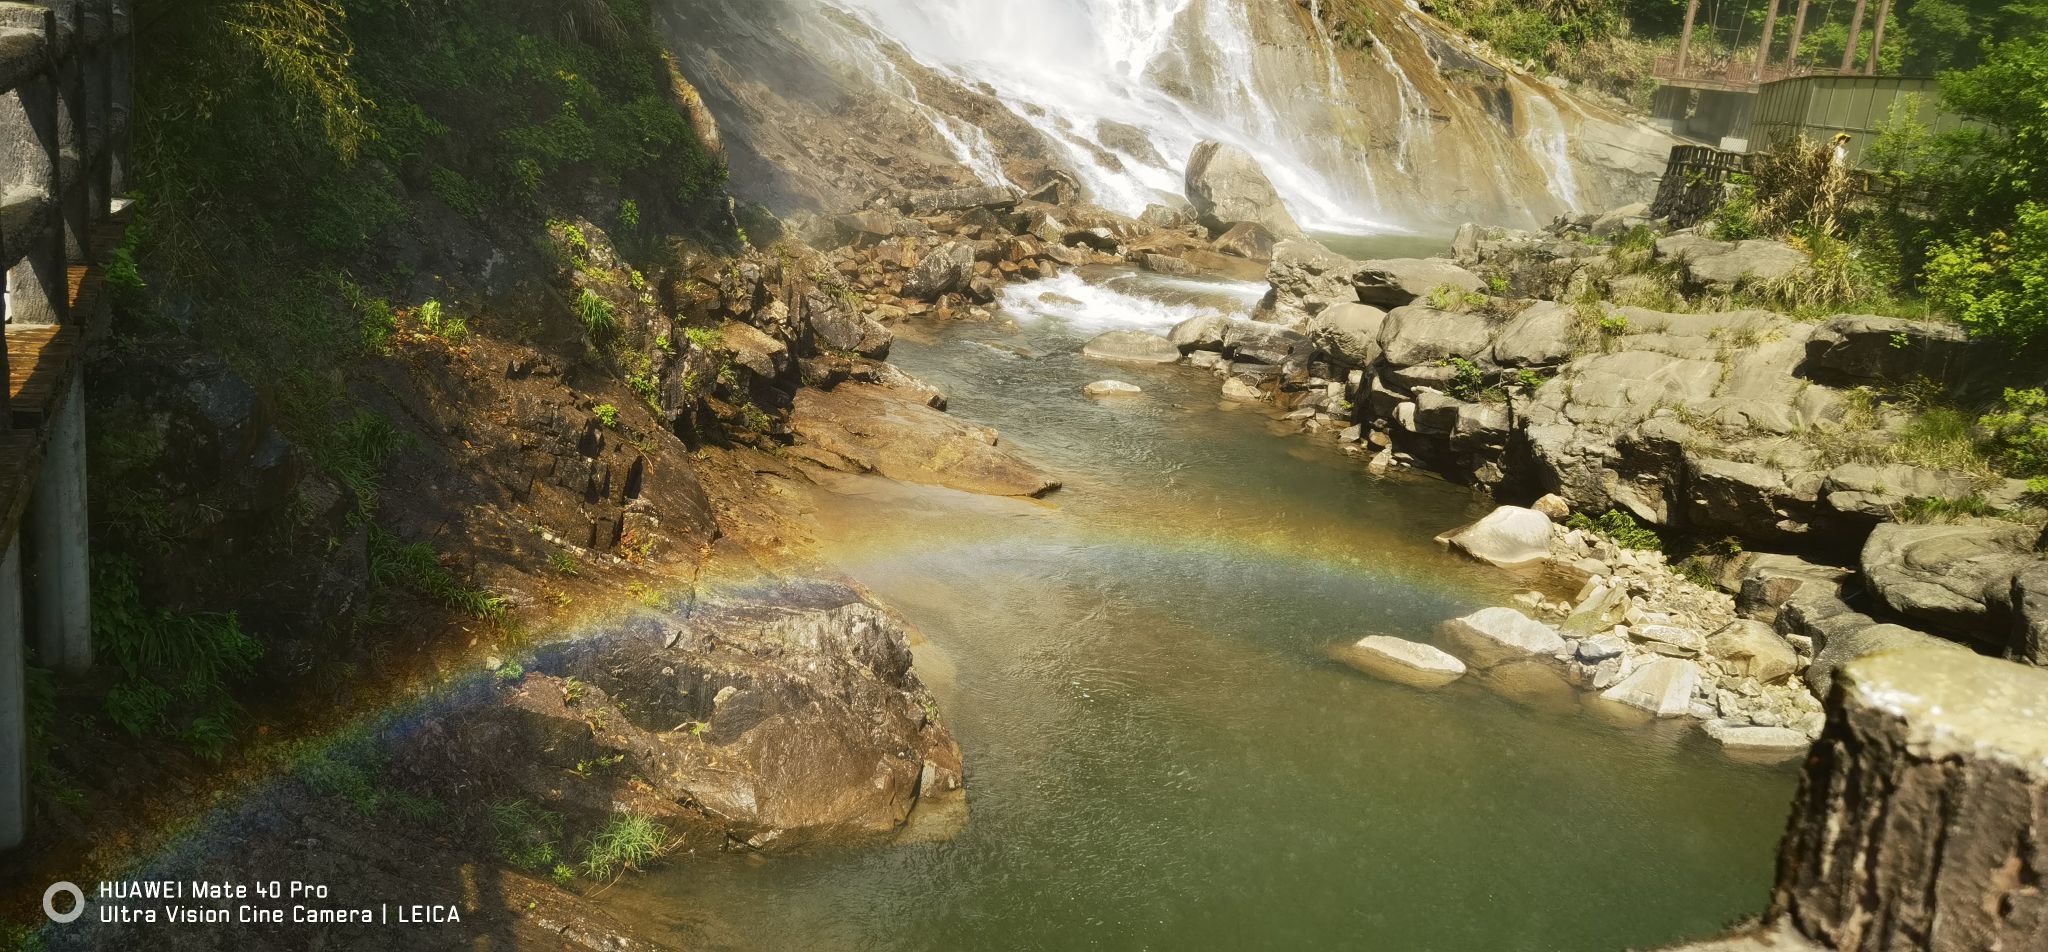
(50, 902)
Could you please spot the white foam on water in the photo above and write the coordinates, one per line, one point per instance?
(1121, 304)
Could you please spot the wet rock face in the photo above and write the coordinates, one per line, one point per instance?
(1227, 186)
(860, 428)
(1922, 817)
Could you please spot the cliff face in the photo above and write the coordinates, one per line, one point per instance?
(1404, 124)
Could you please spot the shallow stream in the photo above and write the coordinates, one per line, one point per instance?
(1160, 752)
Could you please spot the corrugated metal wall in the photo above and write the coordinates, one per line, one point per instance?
(1821, 106)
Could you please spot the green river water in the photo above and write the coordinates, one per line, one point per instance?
(1160, 753)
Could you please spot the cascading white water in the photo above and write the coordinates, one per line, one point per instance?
(1413, 106)
(1072, 67)
(1551, 144)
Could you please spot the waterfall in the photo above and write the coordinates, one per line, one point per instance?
(1412, 103)
(1179, 71)
(1549, 141)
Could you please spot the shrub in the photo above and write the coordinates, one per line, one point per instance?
(607, 416)
(629, 214)
(1619, 527)
(628, 842)
(176, 668)
(599, 318)
(525, 835)
(1996, 284)
(2018, 432)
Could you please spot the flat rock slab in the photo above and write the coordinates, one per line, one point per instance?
(1398, 659)
(1112, 388)
(1663, 687)
(1506, 631)
(866, 429)
(1748, 737)
(1135, 347)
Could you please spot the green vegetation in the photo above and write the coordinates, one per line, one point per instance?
(524, 835)
(417, 567)
(607, 416)
(628, 842)
(1619, 527)
(176, 669)
(564, 563)
(600, 319)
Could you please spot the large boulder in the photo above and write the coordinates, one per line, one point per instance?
(1398, 659)
(944, 269)
(1509, 535)
(1395, 282)
(1922, 816)
(1755, 261)
(1263, 343)
(1247, 239)
(1201, 332)
(1350, 333)
(1507, 630)
(863, 428)
(1956, 578)
(1306, 278)
(1418, 334)
(1750, 648)
(1765, 581)
(752, 348)
(1864, 349)
(1137, 347)
(839, 328)
(1226, 186)
(1862, 641)
(1663, 687)
(1540, 336)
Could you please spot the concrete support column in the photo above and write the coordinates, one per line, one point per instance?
(57, 529)
(14, 764)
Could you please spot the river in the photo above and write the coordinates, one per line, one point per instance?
(1160, 753)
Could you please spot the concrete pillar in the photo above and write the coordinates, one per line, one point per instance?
(1798, 32)
(14, 763)
(1855, 35)
(57, 529)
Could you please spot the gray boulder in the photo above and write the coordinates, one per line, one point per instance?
(1247, 239)
(1226, 186)
(1860, 349)
(1864, 642)
(840, 329)
(1135, 347)
(1745, 737)
(1766, 581)
(1540, 336)
(1203, 332)
(1417, 334)
(1397, 282)
(1509, 535)
(1956, 578)
(944, 269)
(1507, 629)
(1306, 278)
(1264, 343)
(1750, 648)
(1111, 388)
(1350, 333)
(1754, 261)
(1663, 687)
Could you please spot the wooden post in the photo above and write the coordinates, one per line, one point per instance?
(1763, 53)
(1884, 12)
(1855, 34)
(1692, 9)
(1798, 31)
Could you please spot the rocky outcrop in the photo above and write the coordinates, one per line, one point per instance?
(1863, 349)
(1663, 687)
(1957, 578)
(1923, 813)
(949, 267)
(1394, 282)
(1227, 187)
(863, 428)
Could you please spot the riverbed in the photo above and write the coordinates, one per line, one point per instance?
(1160, 752)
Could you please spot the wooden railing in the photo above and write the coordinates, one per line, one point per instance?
(1695, 179)
(1739, 74)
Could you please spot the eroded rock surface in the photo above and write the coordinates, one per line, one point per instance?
(863, 428)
